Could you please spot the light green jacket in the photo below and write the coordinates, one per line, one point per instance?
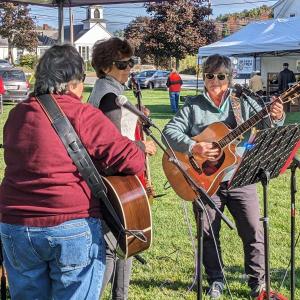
(200, 111)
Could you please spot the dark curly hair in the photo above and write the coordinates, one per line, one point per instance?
(105, 52)
(59, 65)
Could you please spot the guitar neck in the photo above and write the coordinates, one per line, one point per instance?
(241, 129)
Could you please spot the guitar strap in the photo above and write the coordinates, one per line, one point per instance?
(236, 107)
(77, 152)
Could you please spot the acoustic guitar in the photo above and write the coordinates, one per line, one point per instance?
(209, 174)
(129, 199)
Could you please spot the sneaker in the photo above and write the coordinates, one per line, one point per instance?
(216, 290)
(256, 290)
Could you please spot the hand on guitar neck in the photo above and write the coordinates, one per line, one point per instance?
(276, 109)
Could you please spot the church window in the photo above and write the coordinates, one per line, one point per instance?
(96, 14)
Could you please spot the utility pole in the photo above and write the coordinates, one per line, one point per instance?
(61, 37)
(71, 16)
(209, 6)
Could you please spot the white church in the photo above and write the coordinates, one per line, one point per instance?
(92, 29)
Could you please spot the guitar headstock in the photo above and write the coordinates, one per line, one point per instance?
(291, 94)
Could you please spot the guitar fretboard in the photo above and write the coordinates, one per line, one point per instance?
(289, 95)
(238, 131)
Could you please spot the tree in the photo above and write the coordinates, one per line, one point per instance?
(178, 28)
(17, 26)
(119, 33)
(135, 33)
(254, 13)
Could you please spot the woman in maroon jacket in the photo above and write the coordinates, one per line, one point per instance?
(50, 223)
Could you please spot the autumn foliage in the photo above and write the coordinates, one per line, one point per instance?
(174, 29)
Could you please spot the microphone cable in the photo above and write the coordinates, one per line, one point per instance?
(241, 92)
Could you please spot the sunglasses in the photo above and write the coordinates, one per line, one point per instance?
(220, 76)
(122, 64)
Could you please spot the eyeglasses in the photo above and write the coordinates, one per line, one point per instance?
(122, 64)
(220, 76)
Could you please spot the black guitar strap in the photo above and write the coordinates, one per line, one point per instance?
(77, 152)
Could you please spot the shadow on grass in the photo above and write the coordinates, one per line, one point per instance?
(234, 275)
(177, 285)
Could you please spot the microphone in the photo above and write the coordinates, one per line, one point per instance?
(240, 90)
(121, 100)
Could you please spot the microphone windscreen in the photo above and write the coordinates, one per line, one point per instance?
(238, 90)
(121, 100)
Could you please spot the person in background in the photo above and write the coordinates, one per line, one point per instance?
(51, 231)
(2, 89)
(112, 61)
(285, 77)
(256, 83)
(174, 84)
(197, 113)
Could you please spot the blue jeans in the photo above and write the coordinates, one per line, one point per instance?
(59, 262)
(174, 99)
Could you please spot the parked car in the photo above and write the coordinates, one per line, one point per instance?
(4, 64)
(15, 84)
(152, 79)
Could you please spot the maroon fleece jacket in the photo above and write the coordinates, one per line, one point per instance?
(41, 185)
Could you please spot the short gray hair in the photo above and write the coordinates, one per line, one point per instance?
(215, 62)
(59, 65)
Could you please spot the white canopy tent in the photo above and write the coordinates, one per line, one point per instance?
(275, 36)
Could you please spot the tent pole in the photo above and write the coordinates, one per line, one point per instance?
(61, 22)
(197, 73)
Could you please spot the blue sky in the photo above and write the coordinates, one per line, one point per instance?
(118, 16)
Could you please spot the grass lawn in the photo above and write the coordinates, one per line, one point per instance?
(170, 261)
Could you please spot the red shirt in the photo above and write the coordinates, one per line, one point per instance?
(2, 90)
(41, 186)
(174, 82)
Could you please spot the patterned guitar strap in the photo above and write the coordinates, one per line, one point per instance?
(236, 107)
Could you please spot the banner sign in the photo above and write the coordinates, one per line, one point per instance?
(245, 65)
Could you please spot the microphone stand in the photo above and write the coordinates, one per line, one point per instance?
(294, 165)
(245, 97)
(202, 199)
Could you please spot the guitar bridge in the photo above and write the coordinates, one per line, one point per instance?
(195, 165)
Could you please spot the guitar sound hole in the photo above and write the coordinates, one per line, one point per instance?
(210, 167)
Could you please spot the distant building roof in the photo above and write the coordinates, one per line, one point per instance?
(78, 32)
(44, 40)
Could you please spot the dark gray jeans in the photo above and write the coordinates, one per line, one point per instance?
(117, 271)
(243, 205)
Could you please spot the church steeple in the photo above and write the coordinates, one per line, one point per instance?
(94, 14)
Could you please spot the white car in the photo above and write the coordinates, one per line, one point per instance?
(4, 64)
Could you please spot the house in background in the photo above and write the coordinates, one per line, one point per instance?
(286, 9)
(92, 29)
